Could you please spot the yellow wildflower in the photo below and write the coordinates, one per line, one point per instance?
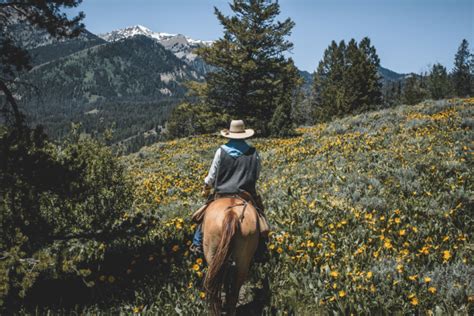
(432, 290)
(414, 301)
(402, 232)
(334, 274)
(369, 274)
(195, 267)
(342, 293)
(279, 250)
(424, 250)
(427, 279)
(413, 277)
(446, 255)
(202, 295)
(137, 309)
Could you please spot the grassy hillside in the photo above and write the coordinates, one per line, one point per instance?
(371, 212)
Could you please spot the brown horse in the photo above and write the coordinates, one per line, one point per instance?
(230, 235)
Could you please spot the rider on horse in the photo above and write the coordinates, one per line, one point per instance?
(234, 171)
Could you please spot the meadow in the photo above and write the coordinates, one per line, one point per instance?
(371, 214)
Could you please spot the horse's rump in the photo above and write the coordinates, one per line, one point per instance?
(262, 222)
(229, 227)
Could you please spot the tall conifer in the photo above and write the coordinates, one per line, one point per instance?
(462, 72)
(346, 80)
(438, 82)
(252, 75)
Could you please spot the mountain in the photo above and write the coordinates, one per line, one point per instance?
(390, 75)
(385, 74)
(57, 49)
(44, 48)
(182, 46)
(133, 82)
(129, 78)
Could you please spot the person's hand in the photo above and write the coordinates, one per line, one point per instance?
(206, 190)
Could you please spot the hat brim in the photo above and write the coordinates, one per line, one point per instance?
(248, 133)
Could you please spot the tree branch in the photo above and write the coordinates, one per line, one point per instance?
(13, 104)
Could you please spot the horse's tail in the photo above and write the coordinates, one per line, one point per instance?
(217, 269)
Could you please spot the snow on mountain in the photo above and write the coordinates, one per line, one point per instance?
(182, 46)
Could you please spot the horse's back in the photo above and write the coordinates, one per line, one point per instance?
(246, 236)
(217, 210)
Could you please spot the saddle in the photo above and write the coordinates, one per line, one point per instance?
(263, 225)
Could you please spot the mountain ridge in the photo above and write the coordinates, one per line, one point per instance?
(101, 77)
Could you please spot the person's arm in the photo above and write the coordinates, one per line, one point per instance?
(209, 181)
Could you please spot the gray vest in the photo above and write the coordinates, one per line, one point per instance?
(237, 174)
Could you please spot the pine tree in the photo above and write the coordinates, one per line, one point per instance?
(346, 80)
(438, 82)
(44, 14)
(282, 123)
(251, 71)
(413, 91)
(328, 92)
(462, 73)
(354, 76)
(372, 93)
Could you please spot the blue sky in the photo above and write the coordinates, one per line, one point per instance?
(409, 35)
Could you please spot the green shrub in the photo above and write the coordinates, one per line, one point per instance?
(60, 206)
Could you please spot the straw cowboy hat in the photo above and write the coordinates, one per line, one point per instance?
(237, 130)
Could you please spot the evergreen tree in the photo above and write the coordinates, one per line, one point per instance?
(282, 121)
(44, 14)
(413, 91)
(252, 75)
(354, 76)
(328, 93)
(372, 87)
(438, 82)
(346, 80)
(462, 71)
(392, 92)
